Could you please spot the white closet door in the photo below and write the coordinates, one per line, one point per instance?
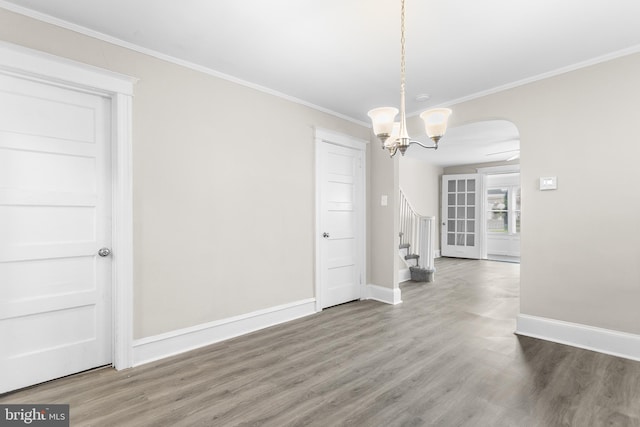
(55, 197)
(341, 216)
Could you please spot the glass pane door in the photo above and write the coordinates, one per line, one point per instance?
(460, 212)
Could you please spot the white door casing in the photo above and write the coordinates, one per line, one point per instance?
(460, 214)
(115, 92)
(340, 218)
(502, 242)
(485, 173)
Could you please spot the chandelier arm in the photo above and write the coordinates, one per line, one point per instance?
(383, 118)
(435, 147)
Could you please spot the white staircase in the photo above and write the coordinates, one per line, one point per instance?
(416, 248)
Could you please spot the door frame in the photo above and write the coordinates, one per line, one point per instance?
(30, 64)
(484, 172)
(325, 136)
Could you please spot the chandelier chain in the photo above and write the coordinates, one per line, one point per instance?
(402, 46)
(385, 127)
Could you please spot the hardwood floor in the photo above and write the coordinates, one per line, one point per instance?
(446, 356)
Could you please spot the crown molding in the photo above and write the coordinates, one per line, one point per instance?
(559, 71)
(168, 58)
(118, 42)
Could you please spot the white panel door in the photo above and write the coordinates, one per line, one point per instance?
(460, 213)
(55, 190)
(341, 215)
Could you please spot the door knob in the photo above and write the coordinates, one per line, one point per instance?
(325, 235)
(103, 252)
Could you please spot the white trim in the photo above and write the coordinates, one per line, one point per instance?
(43, 67)
(481, 202)
(153, 53)
(606, 341)
(326, 136)
(404, 275)
(122, 240)
(363, 226)
(437, 253)
(338, 138)
(27, 62)
(495, 170)
(318, 251)
(157, 347)
(122, 43)
(383, 294)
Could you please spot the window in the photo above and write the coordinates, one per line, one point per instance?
(503, 205)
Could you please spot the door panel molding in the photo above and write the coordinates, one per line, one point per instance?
(29, 64)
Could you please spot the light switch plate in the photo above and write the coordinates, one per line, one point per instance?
(548, 183)
(383, 200)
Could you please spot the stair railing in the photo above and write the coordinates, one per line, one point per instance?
(418, 232)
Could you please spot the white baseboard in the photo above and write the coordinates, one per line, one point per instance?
(437, 253)
(157, 347)
(403, 275)
(382, 294)
(606, 341)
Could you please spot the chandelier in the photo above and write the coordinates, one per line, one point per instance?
(393, 135)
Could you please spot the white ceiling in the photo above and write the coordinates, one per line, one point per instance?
(480, 142)
(343, 55)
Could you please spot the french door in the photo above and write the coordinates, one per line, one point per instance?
(460, 232)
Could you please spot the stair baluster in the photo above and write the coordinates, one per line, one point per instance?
(416, 237)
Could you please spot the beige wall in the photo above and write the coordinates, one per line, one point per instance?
(580, 247)
(212, 158)
(383, 223)
(223, 185)
(420, 182)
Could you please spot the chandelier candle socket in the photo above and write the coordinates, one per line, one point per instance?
(393, 135)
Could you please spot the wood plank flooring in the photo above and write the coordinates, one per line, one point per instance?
(446, 356)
